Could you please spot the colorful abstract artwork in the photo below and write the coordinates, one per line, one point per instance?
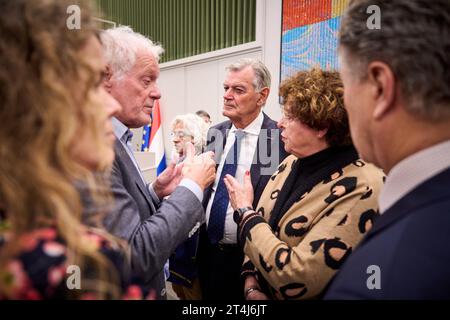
(309, 38)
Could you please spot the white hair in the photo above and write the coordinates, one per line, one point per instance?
(120, 46)
(194, 126)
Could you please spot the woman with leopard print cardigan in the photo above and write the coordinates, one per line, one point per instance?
(316, 207)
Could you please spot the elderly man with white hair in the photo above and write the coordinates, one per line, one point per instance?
(152, 227)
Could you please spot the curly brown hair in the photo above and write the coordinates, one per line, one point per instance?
(316, 98)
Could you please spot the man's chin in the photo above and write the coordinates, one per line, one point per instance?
(227, 113)
(145, 119)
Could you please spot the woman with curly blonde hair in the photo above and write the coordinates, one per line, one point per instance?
(318, 204)
(55, 132)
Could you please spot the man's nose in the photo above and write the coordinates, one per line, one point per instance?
(227, 95)
(155, 93)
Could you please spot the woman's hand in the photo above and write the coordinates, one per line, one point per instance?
(241, 196)
(256, 294)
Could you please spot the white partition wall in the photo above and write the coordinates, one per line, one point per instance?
(146, 161)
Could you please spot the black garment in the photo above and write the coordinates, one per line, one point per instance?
(306, 173)
(220, 269)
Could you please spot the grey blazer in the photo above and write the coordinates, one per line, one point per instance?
(152, 233)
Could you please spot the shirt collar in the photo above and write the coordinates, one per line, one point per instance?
(413, 171)
(254, 127)
(119, 128)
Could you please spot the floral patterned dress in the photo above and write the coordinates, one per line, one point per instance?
(40, 269)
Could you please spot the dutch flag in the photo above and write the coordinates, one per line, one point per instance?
(153, 141)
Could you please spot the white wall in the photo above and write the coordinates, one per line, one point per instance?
(194, 83)
(271, 25)
(189, 88)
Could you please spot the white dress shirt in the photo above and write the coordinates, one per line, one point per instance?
(246, 155)
(413, 171)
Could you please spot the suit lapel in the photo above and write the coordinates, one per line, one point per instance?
(255, 169)
(132, 171)
(217, 138)
(146, 195)
(264, 139)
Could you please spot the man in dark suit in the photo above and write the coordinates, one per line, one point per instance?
(152, 227)
(249, 141)
(397, 94)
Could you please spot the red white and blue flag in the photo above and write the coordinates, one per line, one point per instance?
(153, 140)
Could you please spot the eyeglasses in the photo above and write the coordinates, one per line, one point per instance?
(179, 134)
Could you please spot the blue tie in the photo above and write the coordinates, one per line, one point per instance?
(220, 203)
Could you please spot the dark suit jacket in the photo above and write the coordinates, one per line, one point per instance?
(152, 233)
(410, 245)
(182, 264)
(262, 168)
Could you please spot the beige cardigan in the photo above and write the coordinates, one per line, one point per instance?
(316, 234)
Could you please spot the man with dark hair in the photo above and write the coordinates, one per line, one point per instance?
(397, 95)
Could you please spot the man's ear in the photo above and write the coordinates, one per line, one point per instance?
(107, 78)
(264, 94)
(383, 91)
